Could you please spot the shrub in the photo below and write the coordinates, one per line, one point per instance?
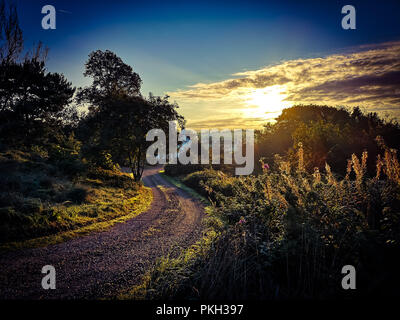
(31, 206)
(288, 233)
(71, 167)
(112, 178)
(98, 158)
(77, 195)
(39, 153)
(179, 169)
(199, 178)
(46, 182)
(10, 183)
(211, 183)
(7, 214)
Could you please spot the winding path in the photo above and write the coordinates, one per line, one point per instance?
(103, 263)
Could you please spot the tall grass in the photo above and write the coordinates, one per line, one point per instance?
(288, 233)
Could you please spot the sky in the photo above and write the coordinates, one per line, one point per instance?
(233, 64)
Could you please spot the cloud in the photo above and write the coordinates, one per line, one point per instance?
(369, 77)
(233, 123)
(65, 11)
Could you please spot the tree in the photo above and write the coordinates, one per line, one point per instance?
(11, 41)
(32, 100)
(120, 128)
(119, 117)
(129, 122)
(111, 76)
(328, 134)
(31, 97)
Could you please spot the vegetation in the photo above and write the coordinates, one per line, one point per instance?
(119, 117)
(326, 194)
(287, 232)
(328, 134)
(60, 169)
(38, 200)
(182, 186)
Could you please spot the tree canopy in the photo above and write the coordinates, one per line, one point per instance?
(119, 117)
(111, 76)
(328, 134)
(32, 100)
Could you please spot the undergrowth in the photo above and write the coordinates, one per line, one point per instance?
(44, 206)
(287, 233)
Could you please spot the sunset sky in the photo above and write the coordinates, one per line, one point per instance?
(233, 64)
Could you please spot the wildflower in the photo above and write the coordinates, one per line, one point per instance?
(300, 155)
(265, 166)
(349, 168)
(242, 220)
(317, 175)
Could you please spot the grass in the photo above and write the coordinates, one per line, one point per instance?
(179, 184)
(134, 206)
(168, 274)
(42, 207)
(286, 234)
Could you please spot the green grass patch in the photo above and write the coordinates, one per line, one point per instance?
(41, 204)
(181, 185)
(120, 210)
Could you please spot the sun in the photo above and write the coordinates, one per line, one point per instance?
(266, 102)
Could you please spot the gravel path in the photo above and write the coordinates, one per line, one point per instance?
(103, 263)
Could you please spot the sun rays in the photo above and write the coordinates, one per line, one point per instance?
(266, 102)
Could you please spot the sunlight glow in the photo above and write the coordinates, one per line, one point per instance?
(266, 102)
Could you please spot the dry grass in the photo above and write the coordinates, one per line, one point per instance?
(286, 234)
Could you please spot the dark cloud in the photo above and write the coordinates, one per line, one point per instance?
(361, 89)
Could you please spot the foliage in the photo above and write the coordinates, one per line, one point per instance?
(11, 41)
(53, 181)
(180, 169)
(111, 76)
(330, 197)
(119, 118)
(31, 100)
(288, 233)
(38, 199)
(328, 134)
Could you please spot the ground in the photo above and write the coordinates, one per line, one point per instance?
(102, 264)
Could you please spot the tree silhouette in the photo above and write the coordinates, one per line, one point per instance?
(328, 134)
(11, 41)
(111, 76)
(119, 117)
(32, 100)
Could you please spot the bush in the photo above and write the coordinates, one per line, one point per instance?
(77, 195)
(179, 169)
(7, 214)
(31, 206)
(46, 182)
(71, 167)
(39, 153)
(98, 158)
(288, 233)
(211, 183)
(112, 178)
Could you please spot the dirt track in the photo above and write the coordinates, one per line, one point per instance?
(103, 263)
